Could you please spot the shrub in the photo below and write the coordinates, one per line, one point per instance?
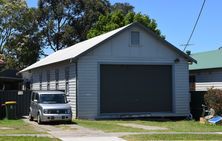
(213, 99)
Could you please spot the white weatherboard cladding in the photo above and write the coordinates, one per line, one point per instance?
(182, 96)
(61, 66)
(207, 79)
(118, 51)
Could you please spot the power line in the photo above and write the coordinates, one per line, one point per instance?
(186, 44)
(188, 41)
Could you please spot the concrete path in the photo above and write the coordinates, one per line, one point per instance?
(73, 132)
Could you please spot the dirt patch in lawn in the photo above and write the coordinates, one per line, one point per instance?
(66, 127)
(6, 128)
(145, 127)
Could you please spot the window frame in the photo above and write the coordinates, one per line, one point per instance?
(40, 81)
(56, 79)
(48, 79)
(67, 73)
(132, 38)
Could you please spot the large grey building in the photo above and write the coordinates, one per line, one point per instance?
(127, 72)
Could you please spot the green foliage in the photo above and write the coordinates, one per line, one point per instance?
(118, 19)
(24, 46)
(20, 41)
(17, 127)
(124, 7)
(65, 22)
(213, 99)
(10, 13)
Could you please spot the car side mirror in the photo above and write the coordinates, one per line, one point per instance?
(35, 100)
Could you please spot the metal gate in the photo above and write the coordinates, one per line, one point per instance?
(22, 99)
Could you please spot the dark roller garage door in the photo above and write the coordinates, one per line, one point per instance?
(135, 88)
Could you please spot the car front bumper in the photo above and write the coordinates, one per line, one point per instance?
(56, 117)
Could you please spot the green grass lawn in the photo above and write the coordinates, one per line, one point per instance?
(16, 127)
(172, 137)
(20, 127)
(27, 139)
(173, 126)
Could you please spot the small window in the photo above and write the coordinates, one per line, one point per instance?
(57, 75)
(40, 86)
(37, 96)
(67, 73)
(40, 81)
(48, 79)
(57, 85)
(40, 77)
(57, 79)
(48, 75)
(135, 38)
(192, 78)
(67, 88)
(48, 86)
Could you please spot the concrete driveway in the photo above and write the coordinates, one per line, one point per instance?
(73, 132)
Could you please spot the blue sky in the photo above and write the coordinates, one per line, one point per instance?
(176, 18)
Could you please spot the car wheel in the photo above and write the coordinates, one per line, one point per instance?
(39, 119)
(30, 117)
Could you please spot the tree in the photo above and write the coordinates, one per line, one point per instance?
(66, 22)
(24, 47)
(10, 13)
(118, 19)
(213, 99)
(124, 7)
(19, 37)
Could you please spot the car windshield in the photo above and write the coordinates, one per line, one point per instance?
(52, 98)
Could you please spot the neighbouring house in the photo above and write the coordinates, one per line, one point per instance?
(127, 72)
(9, 80)
(207, 73)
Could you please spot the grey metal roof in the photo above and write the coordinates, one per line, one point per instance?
(72, 51)
(82, 47)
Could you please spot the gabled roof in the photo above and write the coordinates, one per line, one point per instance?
(207, 60)
(78, 49)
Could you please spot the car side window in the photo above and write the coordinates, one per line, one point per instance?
(37, 97)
